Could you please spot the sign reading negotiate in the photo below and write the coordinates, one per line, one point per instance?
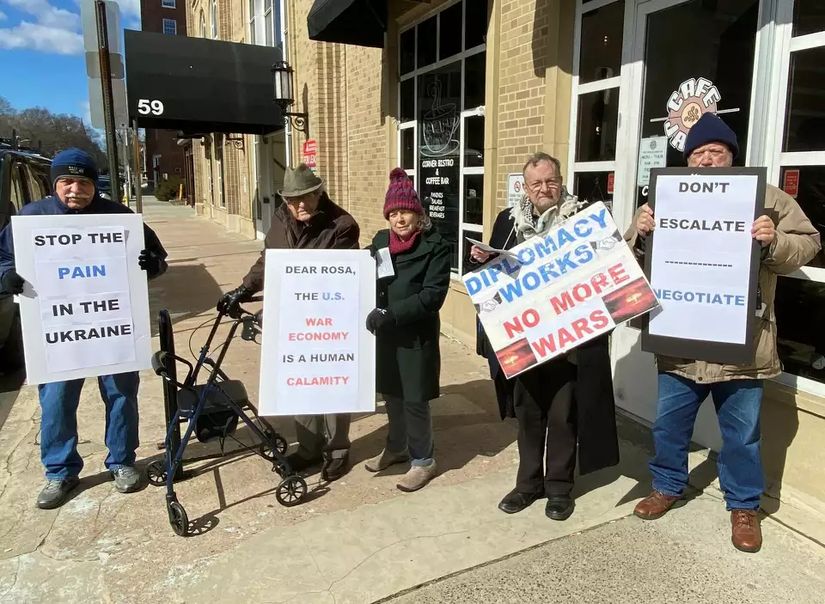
(317, 356)
(85, 309)
(703, 263)
(550, 294)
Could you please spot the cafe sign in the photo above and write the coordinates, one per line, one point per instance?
(691, 100)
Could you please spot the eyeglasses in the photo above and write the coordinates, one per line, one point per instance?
(715, 152)
(551, 183)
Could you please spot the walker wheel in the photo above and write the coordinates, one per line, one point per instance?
(277, 447)
(178, 518)
(156, 473)
(291, 491)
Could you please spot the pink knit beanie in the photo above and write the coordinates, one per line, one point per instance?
(401, 195)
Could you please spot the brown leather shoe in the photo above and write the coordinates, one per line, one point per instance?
(655, 505)
(745, 532)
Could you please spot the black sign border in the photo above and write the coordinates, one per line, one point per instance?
(704, 350)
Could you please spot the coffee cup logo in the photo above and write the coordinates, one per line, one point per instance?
(439, 124)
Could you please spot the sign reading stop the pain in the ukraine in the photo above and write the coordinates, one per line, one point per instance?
(553, 293)
(85, 308)
(317, 355)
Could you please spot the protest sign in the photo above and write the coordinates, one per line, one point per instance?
(555, 292)
(85, 306)
(317, 355)
(703, 263)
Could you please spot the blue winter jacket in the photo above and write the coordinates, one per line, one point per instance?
(52, 205)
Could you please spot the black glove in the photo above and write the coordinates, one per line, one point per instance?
(151, 263)
(12, 282)
(229, 302)
(379, 318)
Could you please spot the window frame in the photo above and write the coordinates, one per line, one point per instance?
(168, 4)
(417, 71)
(174, 23)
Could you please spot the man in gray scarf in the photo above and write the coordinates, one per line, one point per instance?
(549, 399)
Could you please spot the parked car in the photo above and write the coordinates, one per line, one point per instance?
(24, 177)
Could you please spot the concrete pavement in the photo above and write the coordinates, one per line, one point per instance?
(360, 539)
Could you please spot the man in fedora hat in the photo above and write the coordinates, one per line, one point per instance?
(307, 220)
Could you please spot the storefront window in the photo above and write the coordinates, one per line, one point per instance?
(808, 17)
(601, 58)
(800, 314)
(806, 184)
(475, 27)
(805, 125)
(407, 51)
(593, 186)
(598, 119)
(446, 156)
(474, 80)
(448, 37)
(427, 42)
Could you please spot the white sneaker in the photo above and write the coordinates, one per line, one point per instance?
(417, 477)
(127, 479)
(384, 460)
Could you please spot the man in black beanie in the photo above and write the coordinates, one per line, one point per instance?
(788, 241)
(74, 179)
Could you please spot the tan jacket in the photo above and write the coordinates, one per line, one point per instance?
(796, 243)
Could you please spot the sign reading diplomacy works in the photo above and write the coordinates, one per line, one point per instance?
(317, 355)
(550, 294)
(85, 307)
(703, 263)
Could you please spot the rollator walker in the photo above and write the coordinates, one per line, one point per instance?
(211, 410)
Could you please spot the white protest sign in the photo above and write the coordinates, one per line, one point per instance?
(701, 255)
(85, 307)
(558, 291)
(317, 356)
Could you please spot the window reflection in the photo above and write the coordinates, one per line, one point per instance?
(805, 127)
(601, 55)
(598, 118)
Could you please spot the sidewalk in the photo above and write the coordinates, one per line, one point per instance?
(360, 539)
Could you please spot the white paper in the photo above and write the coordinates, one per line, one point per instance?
(85, 306)
(489, 249)
(383, 263)
(701, 254)
(317, 356)
(652, 154)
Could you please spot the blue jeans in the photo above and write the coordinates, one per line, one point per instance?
(411, 429)
(738, 404)
(58, 424)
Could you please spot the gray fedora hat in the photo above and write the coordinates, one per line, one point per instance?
(300, 181)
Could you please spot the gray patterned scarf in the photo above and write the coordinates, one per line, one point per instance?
(528, 224)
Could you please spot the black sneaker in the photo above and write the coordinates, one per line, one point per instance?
(514, 501)
(559, 507)
(335, 467)
(54, 493)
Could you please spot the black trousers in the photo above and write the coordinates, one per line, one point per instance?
(547, 430)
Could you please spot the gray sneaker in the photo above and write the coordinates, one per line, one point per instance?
(54, 493)
(127, 479)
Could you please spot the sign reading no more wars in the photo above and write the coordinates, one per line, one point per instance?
(85, 307)
(553, 293)
(703, 262)
(317, 356)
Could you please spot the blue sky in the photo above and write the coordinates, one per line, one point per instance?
(41, 53)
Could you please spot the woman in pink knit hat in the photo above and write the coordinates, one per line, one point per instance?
(406, 324)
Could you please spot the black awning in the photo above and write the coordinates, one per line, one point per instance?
(358, 22)
(199, 85)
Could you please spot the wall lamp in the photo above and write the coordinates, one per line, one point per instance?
(285, 96)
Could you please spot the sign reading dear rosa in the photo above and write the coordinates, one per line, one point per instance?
(552, 293)
(317, 355)
(85, 309)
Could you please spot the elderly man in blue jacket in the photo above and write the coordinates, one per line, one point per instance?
(74, 178)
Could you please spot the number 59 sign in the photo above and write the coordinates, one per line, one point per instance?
(150, 107)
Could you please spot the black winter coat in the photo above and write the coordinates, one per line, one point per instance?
(596, 410)
(408, 358)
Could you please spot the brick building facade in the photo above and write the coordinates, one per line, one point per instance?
(164, 157)
(481, 84)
